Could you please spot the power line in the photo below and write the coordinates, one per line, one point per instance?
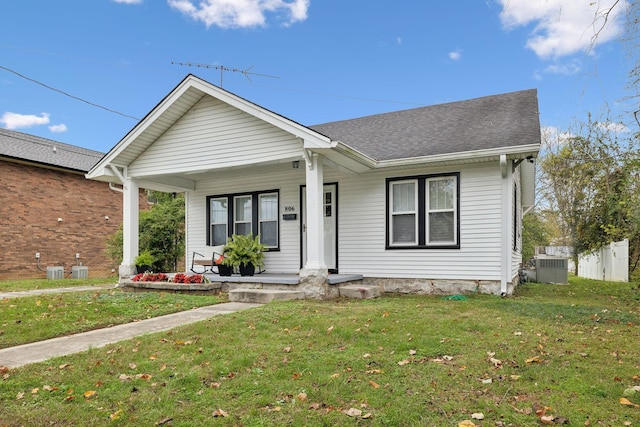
(67, 94)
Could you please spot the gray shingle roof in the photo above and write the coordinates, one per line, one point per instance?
(506, 120)
(30, 148)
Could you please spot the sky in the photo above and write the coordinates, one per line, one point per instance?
(84, 72)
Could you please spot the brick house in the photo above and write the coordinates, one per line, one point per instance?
(47, 206)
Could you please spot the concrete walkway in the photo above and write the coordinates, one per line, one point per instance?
(14, 357)
(32, 292)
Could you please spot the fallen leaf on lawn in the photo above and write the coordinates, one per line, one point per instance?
(412, 352)
(89, 394)
(145, 377)
(69, 398)
(20, 396)
(329, 329)
(164, 421)
(153, 357)
(353, 412)
(124, 377)
(534, 359)
(366, 355)
(547, 419)
(515, 377)
(467, 423)
(302, 396)
(49, 388)
(132, 366)
(374, 384)
(497, 363)
(184, 342)
(336, 375)
(627, 402)
(3, 369)
(116, 414)
(404, 362)
(219, 413)
(287, 349)
(375, 371)
(64, 365)
(296, 375)
(542, 411)
(35, 390)
(477, 416)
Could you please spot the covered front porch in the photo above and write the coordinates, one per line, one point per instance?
(233, 160)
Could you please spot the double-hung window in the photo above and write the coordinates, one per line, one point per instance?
(423, 212)
(219, 219)
(245, 213)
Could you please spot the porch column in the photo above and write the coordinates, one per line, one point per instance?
(315, 219)
(130, 211)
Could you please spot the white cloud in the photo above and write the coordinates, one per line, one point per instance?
(128, 1)
(615, 127)
(551, 136)
(566, 69)
(17, 121)
(58, 128)
(564, 27)
(242, 13)
(455, 55)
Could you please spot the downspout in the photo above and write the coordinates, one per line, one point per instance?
(506, 226)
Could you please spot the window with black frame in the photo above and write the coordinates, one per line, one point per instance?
(244, 213)
(423, 211)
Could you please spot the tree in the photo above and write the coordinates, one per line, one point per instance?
(591, 182)
(535, 232)
(161, 232)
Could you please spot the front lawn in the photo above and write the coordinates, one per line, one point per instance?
(29, 319)
(29, 284)
(552, 355)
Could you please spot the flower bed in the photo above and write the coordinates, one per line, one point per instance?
(178, 278)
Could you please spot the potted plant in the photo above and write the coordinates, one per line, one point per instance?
(223, 269)
(245, 253)
(144, 262)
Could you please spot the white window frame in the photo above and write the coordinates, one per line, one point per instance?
(429, 210)
(262, 220)
(414, 212)
(225, 223)
(235, 213)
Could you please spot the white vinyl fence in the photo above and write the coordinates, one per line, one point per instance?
(610, 263)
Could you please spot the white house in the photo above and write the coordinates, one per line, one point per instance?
(428, 199)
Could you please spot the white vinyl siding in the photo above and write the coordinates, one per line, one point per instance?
(362, 214)
(213, 135)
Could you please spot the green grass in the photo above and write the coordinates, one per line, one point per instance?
(36, 318)
(28, 284)
(403, 361)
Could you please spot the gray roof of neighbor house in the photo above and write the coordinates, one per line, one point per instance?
(507, 120)
(20, 146)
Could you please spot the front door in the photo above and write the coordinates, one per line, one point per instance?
(330, 212)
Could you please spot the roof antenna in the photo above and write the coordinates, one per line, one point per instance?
(223, 68)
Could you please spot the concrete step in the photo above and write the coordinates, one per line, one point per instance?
(263, 296)
(359, 291)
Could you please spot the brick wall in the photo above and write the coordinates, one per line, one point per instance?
(32, 199)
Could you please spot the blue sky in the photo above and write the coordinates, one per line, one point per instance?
(333, 59)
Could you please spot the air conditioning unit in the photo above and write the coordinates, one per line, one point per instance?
(79, 272)
(54, 273)
(552, 270)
